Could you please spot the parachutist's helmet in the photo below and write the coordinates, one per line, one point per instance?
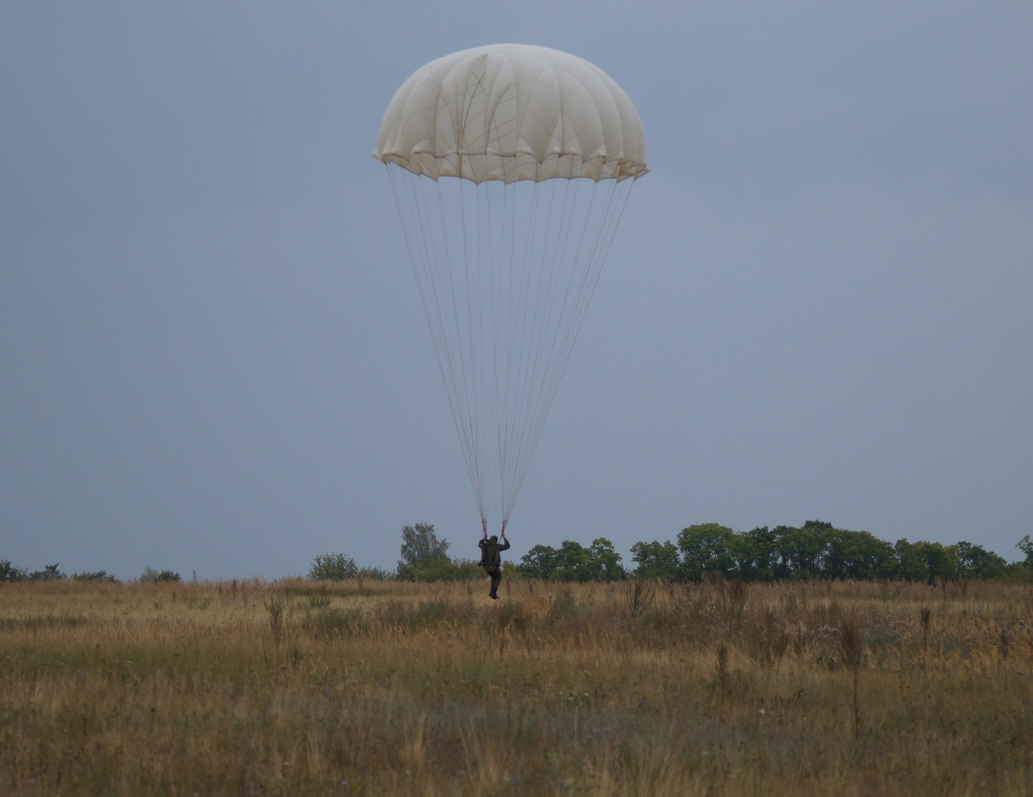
(493, 538)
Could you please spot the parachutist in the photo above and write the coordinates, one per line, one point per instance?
(491, 559)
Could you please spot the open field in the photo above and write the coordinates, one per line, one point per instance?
(385, 688)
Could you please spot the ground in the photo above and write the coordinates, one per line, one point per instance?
(382, 688)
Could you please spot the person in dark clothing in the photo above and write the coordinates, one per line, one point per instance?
(491, 559)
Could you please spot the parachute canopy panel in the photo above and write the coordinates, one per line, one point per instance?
(512, 112)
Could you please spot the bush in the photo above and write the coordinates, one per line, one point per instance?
(333, 567)
(441, 570)
(9, 572)
(48, 573)
(100, 575)
(573, 562)
(425, 558)
(152, 576)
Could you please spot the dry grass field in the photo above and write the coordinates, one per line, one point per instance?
(385, 688)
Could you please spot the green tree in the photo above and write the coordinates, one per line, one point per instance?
(333, 567)
(908, 564)
(781, 565)
(754, 554)
(856, 555)
(974, 561)
(423, 554)
(938, 561)
(706, 549)
(48, 573)
(605, 562)
(572, 561)
(425, 557)
(539, 562)
(1026, 546)
(800, 551)
(656, 561)
(9, 572)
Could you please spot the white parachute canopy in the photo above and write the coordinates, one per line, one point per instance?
(508, 255)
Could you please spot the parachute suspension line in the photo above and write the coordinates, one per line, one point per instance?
(601, 239)
(467, 370)
(596, 260)
(505, 263)
(498, 219)
(494, 300)
(411, 225)
(428, 287)
(537, 380)
(535, 331)
(459, 373)
(526, 324)
(530, 423)
(445, 307)
(433, 276)
(531, 259)
(600, 250)
(519, 288)
(473, 381)
(561, 254)
(430, 279)
(487, 395)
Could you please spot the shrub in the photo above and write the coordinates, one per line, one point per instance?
(9, 572)
(425, 558)
(48, 573)
(100, 575)
(444, 569)
(573, 562)
(333, 567)
(152, 576)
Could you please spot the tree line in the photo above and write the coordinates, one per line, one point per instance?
(9, 574)
(815, 550)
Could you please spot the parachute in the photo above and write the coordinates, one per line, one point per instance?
(510, 167)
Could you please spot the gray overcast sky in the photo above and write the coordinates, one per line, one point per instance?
(213, 355)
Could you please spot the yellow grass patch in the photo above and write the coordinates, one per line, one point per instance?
(386, 688)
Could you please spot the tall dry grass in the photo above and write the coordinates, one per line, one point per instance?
(386, 688)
